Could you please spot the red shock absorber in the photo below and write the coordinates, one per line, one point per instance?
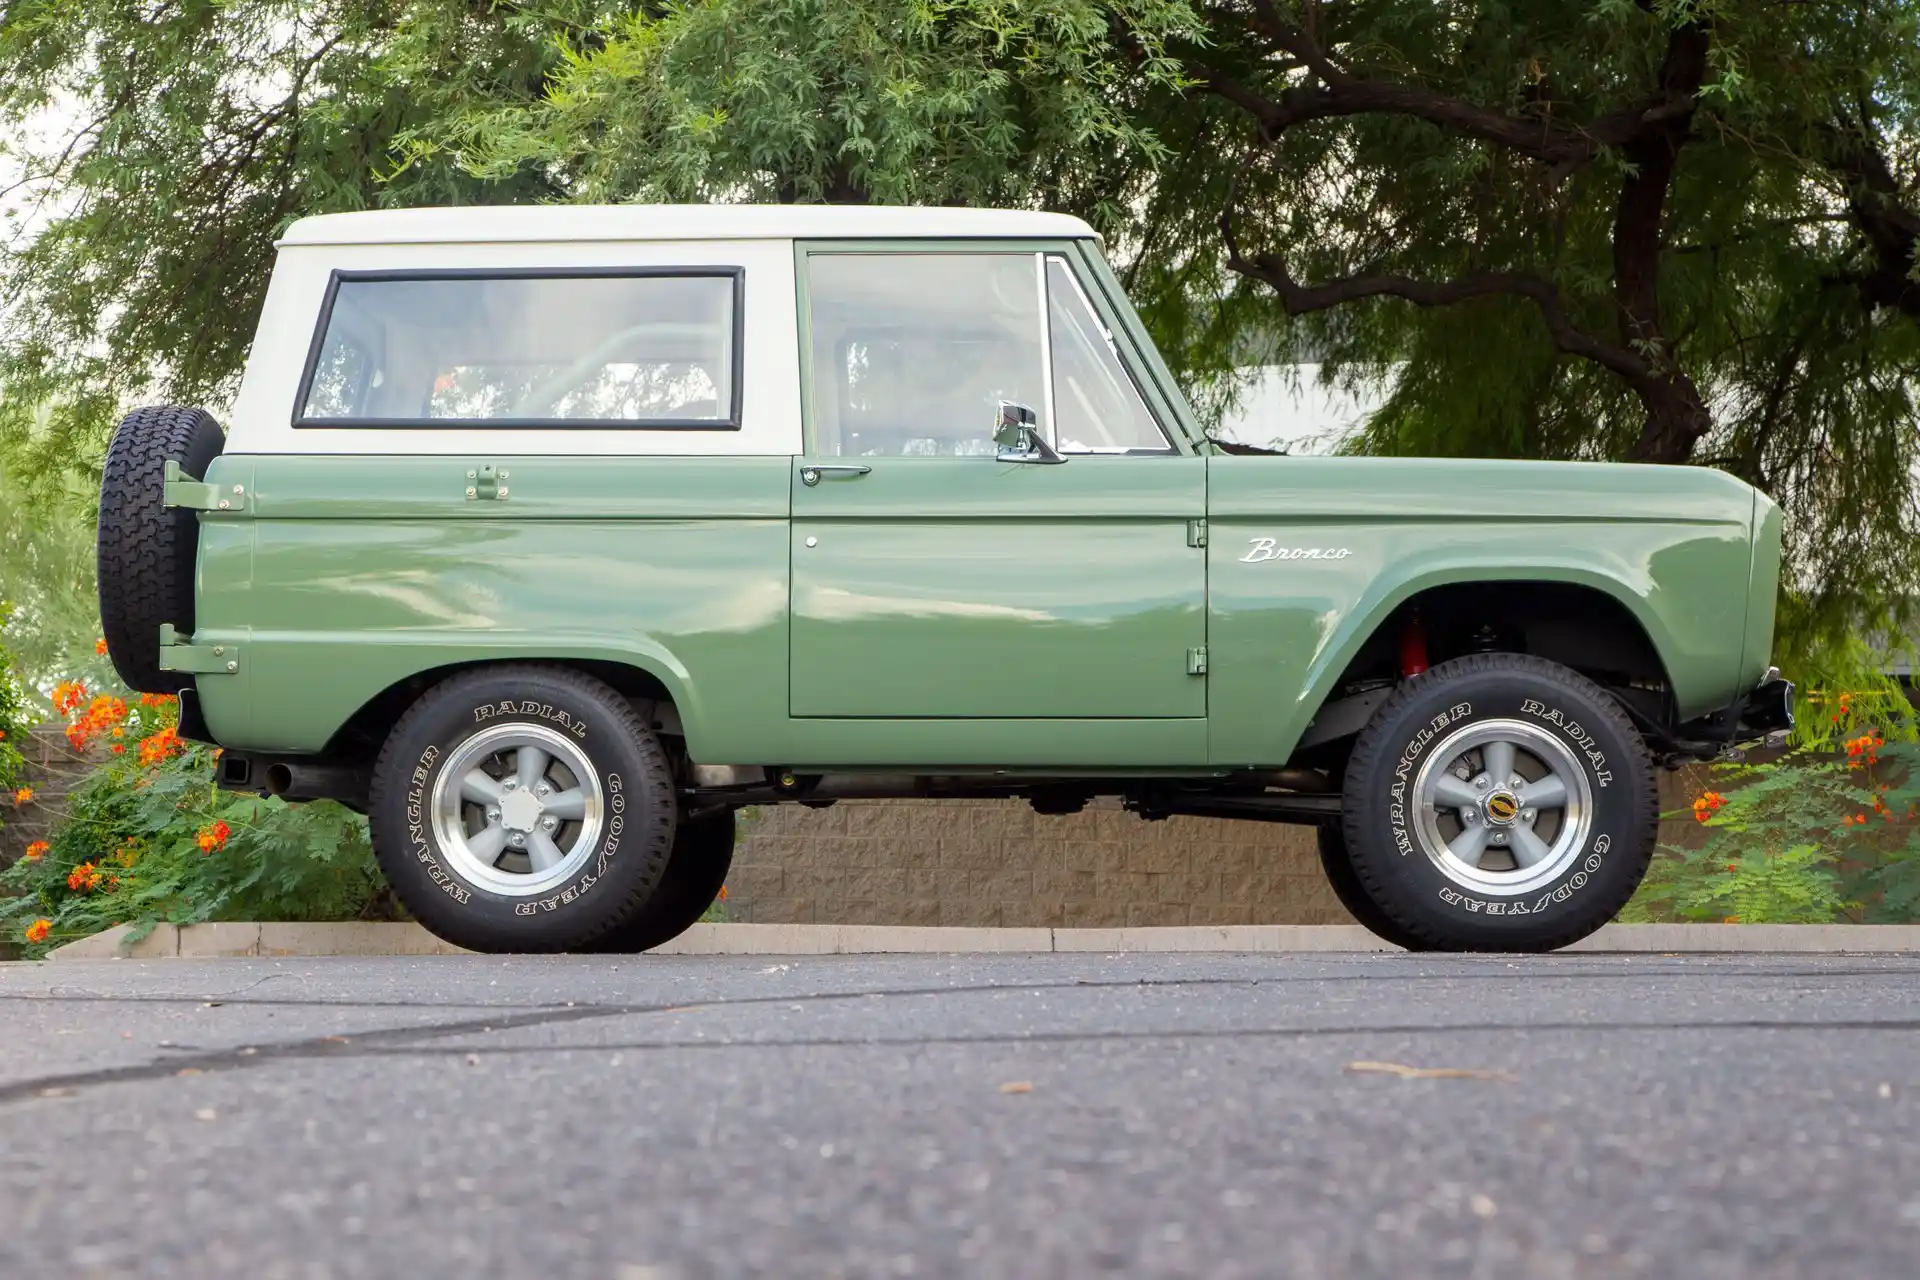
(1413, 647)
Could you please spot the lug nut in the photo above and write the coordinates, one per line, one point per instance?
(517, 840)
(493, 815)
(549, 824)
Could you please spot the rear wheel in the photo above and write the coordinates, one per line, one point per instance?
(702, 856)
(1499, 802)
(522, 808)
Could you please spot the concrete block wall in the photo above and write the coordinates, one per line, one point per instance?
(1000, 863)
(979, 862)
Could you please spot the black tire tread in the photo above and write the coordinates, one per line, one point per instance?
(696, 869)
(1370, 741)
(653, 760)
(1345, 882)
(145, 551)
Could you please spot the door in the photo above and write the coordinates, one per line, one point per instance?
(931, 578)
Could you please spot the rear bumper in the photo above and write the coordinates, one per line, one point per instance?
(1767, 708)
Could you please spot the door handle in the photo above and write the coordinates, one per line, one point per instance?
(811, 475)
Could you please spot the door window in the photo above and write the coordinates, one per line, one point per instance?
(912, 354)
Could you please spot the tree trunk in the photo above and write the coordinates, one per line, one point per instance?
(1677, 416)
(1676, 419)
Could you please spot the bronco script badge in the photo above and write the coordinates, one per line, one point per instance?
(1262, 549)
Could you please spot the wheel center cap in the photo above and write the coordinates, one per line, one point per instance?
(519, 810)
(1502, 807)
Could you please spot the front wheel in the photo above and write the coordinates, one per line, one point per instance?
(1499, 802)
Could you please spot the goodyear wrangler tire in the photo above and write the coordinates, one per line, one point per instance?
(145, 549)
(522, 808)
(1499, 802)
(1338, 864)
(702, 856)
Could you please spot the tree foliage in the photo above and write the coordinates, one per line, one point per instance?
(182, 137)
(1668, 230)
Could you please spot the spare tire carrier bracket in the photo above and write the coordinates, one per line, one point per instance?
(196, 659)
(182, 490)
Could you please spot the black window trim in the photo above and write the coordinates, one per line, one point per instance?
(339, 277)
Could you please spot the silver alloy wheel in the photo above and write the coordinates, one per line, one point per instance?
(1502, 807)
(518, 809)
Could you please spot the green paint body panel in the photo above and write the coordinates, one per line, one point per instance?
(348, 576)
(968, 587)
(954, 613)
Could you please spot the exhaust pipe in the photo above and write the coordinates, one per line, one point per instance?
(291, 781)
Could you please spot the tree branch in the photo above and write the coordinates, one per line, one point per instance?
(1887, 217)
(1300, 299)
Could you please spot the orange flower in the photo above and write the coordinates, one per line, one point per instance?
(157, 699)
(214, 837)
(1731, 920)
(38, 930)
(723, 894)
(100, 645)
(23, 796)
(1707, 805)
(160, 746)
(1733, 866)
(67, 695)
(36, 851)
(119, 749)
(84, 877)
(102, 715)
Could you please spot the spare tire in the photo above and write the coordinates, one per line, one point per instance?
(146, 549)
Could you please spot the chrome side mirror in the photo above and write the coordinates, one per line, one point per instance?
(1019, 439)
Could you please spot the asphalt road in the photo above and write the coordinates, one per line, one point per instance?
(1051, 1115)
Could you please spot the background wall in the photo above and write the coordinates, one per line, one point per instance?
(998, 862)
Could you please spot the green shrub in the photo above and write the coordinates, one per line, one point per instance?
(147, 838)
(1812, 838)
(13, 725)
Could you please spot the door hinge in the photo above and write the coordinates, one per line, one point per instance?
(181, 490)
(484, 484)
(1197, 661)
(1196, 533)
(196, 659)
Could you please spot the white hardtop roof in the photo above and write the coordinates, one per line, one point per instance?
(571, 222)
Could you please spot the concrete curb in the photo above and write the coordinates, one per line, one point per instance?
(202, 941)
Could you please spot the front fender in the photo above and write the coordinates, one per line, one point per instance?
(1673, 547)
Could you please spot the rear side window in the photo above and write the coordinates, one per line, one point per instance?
(658, 349)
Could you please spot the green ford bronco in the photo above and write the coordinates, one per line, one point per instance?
(549, 538)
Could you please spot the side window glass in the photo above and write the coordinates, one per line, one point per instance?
(913, 353)
(641, 348)
(339, 379)
(1096, 406)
